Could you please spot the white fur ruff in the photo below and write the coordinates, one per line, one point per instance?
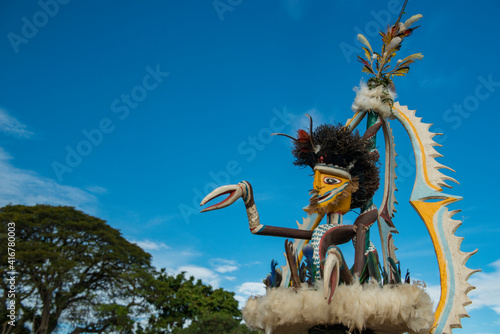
(389, 309)
(371, 99)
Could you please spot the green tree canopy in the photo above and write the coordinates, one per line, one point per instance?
(71, 268)
(187, 306)
(215, 323)
(76, 274)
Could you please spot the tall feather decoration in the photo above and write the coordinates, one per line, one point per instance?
(311, 269)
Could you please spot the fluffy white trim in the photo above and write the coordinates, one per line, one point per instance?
(389, 309)
(371, 99)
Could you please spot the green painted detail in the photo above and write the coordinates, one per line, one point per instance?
(371, 119)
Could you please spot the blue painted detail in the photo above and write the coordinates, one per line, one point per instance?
(317, 235)
(261, 229)
(312, 218)
(334, 219)
(356, 119)
(385, 230)
(246, 191)
(421, 191)
(330, 194)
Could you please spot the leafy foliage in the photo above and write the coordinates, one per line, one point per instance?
(215, 323)
(72, 267)
(179, 301)
(378, 64)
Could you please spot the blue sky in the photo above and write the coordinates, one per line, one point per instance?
(132, 111)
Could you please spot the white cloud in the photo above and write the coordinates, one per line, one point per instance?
(97, 189)
(26, 187)
(169, 257)
(206, 275)
(248, 289)
(224, 266)
(487, 292)
(252, 289)
(434, 292)
(226, 269)
(303, 122)
(11, 126)
(150, 245)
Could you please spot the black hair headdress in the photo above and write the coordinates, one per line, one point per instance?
(335, 145)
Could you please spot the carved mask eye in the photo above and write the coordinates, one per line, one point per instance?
(331, 180)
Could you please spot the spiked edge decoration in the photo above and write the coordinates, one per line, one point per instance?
(428, 180)
(435, 214)
(438, 220)
(376, 101)
(427, 197)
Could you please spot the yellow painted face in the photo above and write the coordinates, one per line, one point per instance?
(330, 182)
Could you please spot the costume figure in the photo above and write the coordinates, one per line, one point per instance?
(345, 177)
(324, 290)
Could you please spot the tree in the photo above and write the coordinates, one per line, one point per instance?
(71, 268)
(215, 323)
(180, 302)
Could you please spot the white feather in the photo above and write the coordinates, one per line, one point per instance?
(389, 309)
(371, 99)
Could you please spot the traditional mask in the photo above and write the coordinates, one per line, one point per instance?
(332, 193)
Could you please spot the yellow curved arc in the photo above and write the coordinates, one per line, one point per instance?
(351, 119)
(316, 223)
(422, 149)
(426, 211)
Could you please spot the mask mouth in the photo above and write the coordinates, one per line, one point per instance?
(332, 193)
(316, 201)
(321, 198)
(327, 196)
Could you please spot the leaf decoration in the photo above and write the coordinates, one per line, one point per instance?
(366, 69)
(367, 54)
(363, 40)
(414, 56)
(379, 64)
(396, 271)
(274, 278)
(401, 71)
(373, 266)
(412, 20)
(309, 267)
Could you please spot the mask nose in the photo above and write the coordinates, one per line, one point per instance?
(317, 184)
